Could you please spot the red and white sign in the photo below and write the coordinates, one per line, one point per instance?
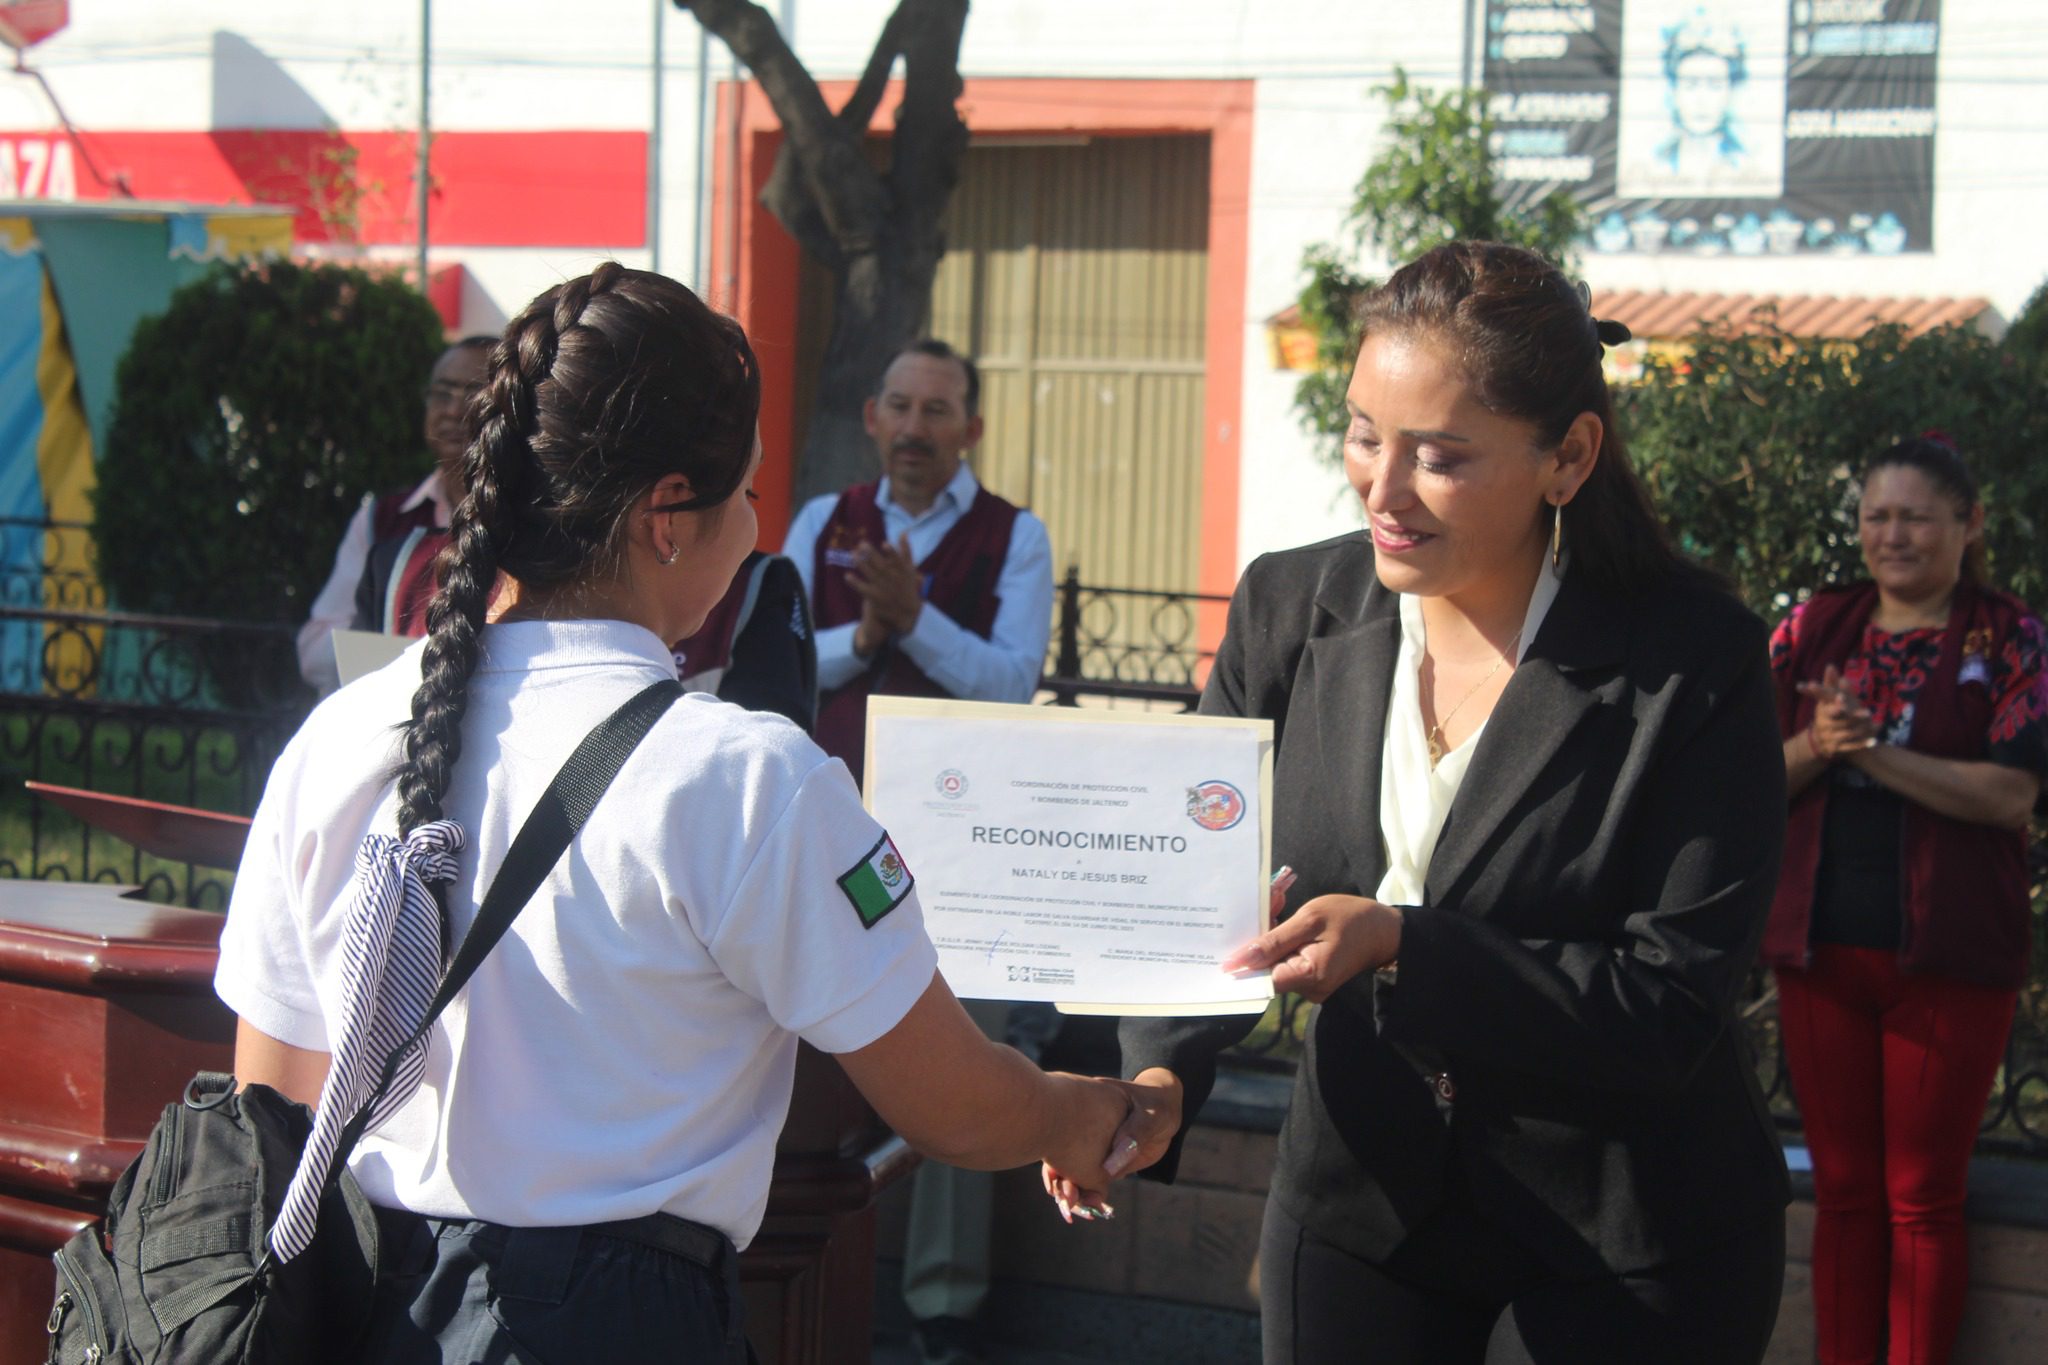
(579, 188)
(37, 168)
(25, 23)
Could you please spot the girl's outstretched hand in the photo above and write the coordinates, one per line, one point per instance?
(1141, 1139)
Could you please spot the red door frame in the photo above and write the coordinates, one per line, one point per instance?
(755, 269)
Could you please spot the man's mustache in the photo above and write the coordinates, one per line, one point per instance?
(912, 443)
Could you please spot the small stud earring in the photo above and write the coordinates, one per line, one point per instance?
(675, 552)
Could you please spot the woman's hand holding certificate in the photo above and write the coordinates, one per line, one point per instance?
(1322, 945)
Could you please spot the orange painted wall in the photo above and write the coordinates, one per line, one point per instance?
(754, 262)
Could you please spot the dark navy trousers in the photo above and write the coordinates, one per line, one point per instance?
(473, 1293)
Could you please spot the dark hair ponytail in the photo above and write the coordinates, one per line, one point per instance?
(1523, 336)
(1938, 460)
(603, 386)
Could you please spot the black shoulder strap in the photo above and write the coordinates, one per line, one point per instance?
(541, 841)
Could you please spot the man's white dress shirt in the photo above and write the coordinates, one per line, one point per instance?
(1004, 667)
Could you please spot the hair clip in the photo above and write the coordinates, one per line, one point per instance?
(1942, 439)
(1606, 330)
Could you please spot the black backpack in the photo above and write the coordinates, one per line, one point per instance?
(181, 1271)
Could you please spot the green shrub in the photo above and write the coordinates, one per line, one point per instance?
(1432, 182)
(2027, 339)
(1752, 445)
(249, 420)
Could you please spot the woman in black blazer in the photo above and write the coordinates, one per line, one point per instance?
(1524, 1088)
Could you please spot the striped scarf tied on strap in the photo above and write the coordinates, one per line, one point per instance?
(392, 959)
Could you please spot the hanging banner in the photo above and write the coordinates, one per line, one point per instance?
(1744, 127)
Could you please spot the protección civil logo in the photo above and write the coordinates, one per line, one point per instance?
(1215, 805)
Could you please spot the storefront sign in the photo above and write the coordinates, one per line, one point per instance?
(1746, 127)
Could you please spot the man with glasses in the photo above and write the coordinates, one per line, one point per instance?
(456, 378)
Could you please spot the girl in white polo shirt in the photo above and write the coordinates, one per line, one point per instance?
(623, 1057)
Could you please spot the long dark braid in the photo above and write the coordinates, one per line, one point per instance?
(601, 387)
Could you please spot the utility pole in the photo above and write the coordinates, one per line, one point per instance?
(654, 148)
(702, 281)
(426, 133)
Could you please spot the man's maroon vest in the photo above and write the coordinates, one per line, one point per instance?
(415, 586)
(1964, 884)
(415, 582)
(391, 518)
(960, 576)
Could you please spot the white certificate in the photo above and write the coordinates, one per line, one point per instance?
(1104, 861)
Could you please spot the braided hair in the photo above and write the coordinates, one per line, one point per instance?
(603, 386)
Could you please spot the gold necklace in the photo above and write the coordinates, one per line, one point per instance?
(1434, 740)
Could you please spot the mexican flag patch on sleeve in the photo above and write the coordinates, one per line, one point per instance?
(877, 883)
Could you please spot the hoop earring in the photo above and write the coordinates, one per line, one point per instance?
(674, 553)
(1557, 535)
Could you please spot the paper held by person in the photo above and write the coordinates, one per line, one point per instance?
(1104, 861)
(357, 652)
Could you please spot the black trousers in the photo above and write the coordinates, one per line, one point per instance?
(473, 1293)
(1436, 1300)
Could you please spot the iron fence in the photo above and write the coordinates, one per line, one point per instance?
(194, 712)
(174, 709)
(1130, 644)
(48, 564)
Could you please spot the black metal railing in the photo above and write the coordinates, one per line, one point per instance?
(181, 710)
(194, 712)
(48, 564)
(1130, 644)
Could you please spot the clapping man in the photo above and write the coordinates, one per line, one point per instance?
(926, 584)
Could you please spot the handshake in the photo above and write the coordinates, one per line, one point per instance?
(1124, 1127)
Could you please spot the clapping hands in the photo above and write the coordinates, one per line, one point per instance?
(891, 593)
(1841, 724)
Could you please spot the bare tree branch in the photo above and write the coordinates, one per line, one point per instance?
(849, 197)
(874, 81)
(879, 235)
(786, 194)
(930, 137)
(789, 198)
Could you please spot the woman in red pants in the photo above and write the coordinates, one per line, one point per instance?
(1916, 736)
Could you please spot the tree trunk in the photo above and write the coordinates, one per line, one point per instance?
(878, 306)
(878, 233)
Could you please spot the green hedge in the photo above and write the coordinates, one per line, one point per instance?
(249, 420)
(1752, 446)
